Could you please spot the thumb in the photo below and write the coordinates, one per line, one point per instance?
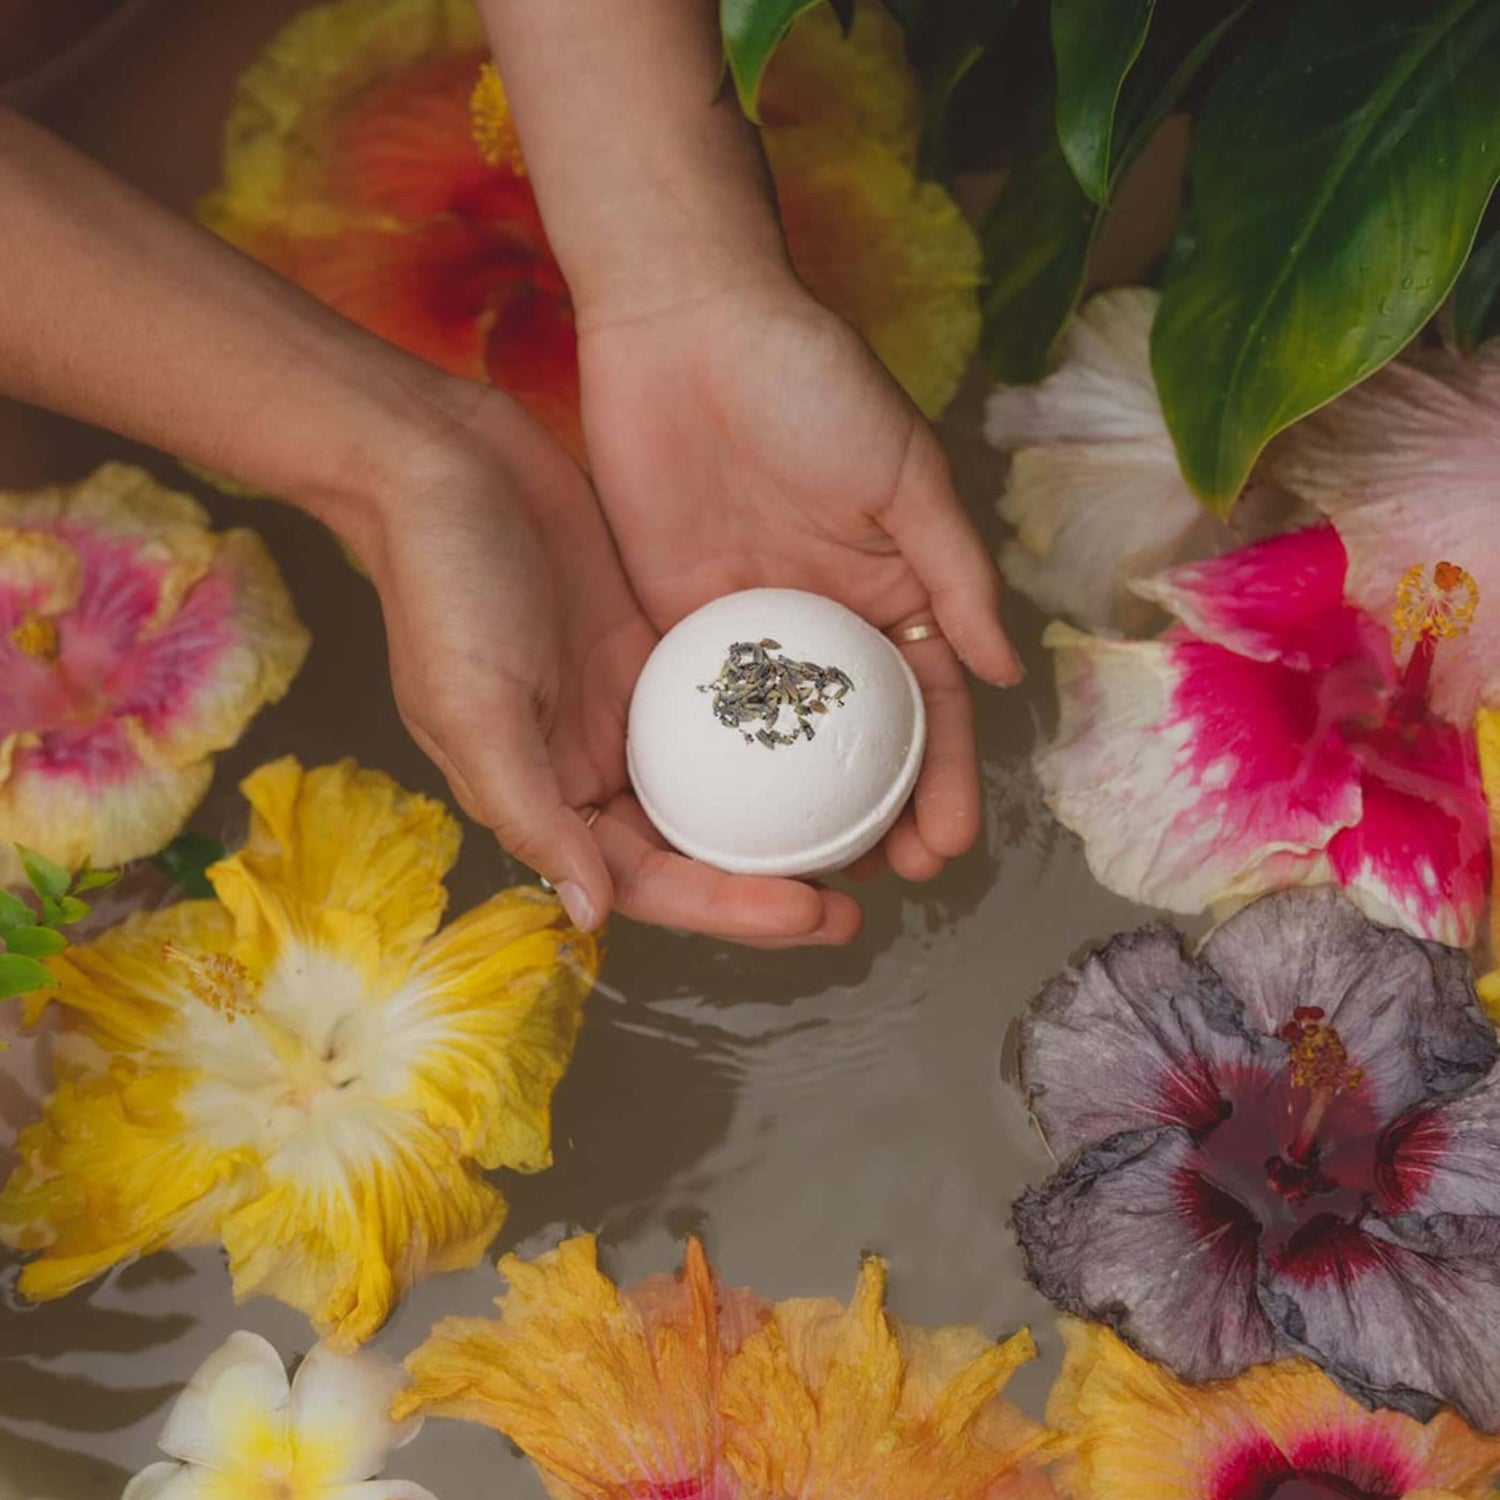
(501, 771)
(927, 521)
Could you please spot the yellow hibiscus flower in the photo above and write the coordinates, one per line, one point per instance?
(684, 1388)
(305, 1069)
(1135, 1432)
(355, 166)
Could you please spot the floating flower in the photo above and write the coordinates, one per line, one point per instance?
(1289, 1144)
(241, 1430)
(1280, 1432)
(682, 1388)
(370, 158)
(1094, 490)
(1407, 466)
(1271, 738)
(305, 1068)
(134, 643)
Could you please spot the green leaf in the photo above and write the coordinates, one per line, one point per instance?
(47, 878)
(63, 911)
(19, 975)
(14, 913)
(1096, 43)
(35, 942)
(94, 880)
(753, 30)
(187, 858)
(955, 35)
(1340, 173)
(1476, 298)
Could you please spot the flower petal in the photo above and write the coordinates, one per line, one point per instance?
(169, 1481)
(336, 842)
(1399, 1312)
(340, 1417)
(1405, 465)
(1134, 1037)
(1447, 1160)
(482, 1031)
(355, 1208)
(1404, 1009)
(233, 1412)
(1193, 774)
(1131, 1233)
(637, 1410)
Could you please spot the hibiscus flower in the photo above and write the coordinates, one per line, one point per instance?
(684, 1390)
(305, 1068)
(1287, 1145)
(1279, 1432)
(370, 158)
(134, 643)
(1278, 735)
(241, 1430)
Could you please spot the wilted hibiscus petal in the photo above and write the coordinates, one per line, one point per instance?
(1281, 1145)
(356, 166)
(1269, 739)
(1132, 1432)
(305, 1069)
(134, 643)
(684, 1390)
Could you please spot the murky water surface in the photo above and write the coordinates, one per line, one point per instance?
(796, 1109)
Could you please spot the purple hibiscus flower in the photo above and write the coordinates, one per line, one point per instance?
(1288, 1144)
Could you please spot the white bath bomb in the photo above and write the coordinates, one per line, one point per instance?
(774, 732)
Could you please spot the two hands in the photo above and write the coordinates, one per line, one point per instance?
(741, 438)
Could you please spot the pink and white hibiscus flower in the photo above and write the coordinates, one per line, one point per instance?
(134, 643)
(1279, 735)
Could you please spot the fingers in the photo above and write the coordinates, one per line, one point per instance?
(928, 523)
(507, 782)
(946, 802)
(653, 884)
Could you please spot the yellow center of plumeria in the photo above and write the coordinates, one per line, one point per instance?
(1436, 608)
(222, 983)
(494, 130)
(36, 637)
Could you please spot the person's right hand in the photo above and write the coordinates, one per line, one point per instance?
(515, 643)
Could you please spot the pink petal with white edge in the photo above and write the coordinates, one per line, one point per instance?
(1407, 465)
(341, 1404)
(1193, 774)
(240, 1388)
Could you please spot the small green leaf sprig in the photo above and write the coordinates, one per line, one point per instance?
(31, 932)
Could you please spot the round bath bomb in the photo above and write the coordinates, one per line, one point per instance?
(774, 732)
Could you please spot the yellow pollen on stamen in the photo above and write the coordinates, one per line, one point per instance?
(222, 983)
(494, 129)
(1436, 609)
(1320, 1060)
(36, 637)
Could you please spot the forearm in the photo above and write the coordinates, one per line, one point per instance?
(650, 180)
(114, 311)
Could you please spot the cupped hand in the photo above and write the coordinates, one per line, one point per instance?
(749, 438)
(515, 642)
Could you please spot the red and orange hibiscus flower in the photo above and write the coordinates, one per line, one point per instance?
(369, 157)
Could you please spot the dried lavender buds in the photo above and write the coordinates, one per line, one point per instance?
(756, 688)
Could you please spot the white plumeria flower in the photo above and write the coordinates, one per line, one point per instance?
(242, 1431)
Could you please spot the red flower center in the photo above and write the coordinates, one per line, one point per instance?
(1262, 1471)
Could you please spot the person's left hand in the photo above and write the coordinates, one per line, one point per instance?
(749, 438)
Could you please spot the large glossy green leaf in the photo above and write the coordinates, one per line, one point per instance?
(753, 30)
(1096, 43)
(1476, 298)
(1339, 174)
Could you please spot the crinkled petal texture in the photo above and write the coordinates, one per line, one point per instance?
(1131, 1431)
(1487, 733)
(134, 643)
(306, 1069)
(1267, 740)
(1405, 465)
(683, 1388)
(241, 1431)
(1287, 1144)
(352, 167)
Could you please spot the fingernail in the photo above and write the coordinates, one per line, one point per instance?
(579, 905)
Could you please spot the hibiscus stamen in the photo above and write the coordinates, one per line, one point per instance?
(36, 637)
(494, 129)
(1320, 1063)
(1429, 611)
(221, 982)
